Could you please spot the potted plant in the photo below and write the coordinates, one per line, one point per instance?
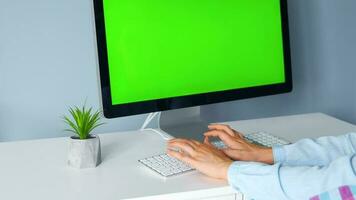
(84, 148)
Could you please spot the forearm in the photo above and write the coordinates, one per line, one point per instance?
(256, 180)
(319, 152)
(261, 181)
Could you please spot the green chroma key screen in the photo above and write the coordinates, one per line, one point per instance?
(169, 48)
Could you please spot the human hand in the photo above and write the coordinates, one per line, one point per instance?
(237, 147)
(204, 157)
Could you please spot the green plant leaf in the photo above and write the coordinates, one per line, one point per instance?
(83, 122)
(71, 124)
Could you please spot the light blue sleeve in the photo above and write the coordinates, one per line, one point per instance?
(319, 152)
(265, 182)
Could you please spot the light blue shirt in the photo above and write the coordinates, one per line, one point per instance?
(301, 170)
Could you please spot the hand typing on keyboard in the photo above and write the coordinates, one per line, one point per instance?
(238, 148)
(204, 157)
(215, 162)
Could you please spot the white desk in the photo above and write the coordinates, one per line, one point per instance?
(36, 169)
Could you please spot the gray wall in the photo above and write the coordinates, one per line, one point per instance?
(48, 62)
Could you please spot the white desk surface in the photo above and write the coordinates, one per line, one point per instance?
(36, 169)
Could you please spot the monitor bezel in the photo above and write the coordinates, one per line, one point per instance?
(113, 111)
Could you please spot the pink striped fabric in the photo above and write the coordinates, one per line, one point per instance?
(342, 193)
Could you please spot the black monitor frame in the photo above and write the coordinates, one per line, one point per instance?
(112, 111)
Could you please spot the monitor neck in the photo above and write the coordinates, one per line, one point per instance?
(180, 123)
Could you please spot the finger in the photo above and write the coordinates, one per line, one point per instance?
(226, 138)
(222, 127)
(192, 143)
(241, 138)
(240, 135)
(180, 156)
(176, 140)
(218, 133)
(197, 143)
(206, 141)
(186, 147)
(179, 140)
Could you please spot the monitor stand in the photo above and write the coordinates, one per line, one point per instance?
(181, 123)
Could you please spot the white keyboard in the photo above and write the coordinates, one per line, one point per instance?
(265, 139)
(167, 166)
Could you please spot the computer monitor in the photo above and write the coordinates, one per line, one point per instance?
(168, 54)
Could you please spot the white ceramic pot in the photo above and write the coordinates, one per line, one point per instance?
(84, 153)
